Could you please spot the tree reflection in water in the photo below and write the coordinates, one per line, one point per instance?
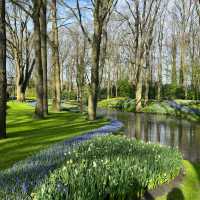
(166, 130)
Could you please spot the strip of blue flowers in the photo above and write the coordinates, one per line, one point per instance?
(18, 181)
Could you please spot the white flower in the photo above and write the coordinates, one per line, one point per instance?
(94, 164)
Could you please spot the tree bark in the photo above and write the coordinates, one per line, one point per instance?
(174, 52)
(39, 109)
(43, 27)
(3, 82)
(94, 85)
(56, 104)
(138, 95)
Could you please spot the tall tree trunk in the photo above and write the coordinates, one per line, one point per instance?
(147, 76)
(139, 64)
(19, 76)
(94, 85)
(174, 52)
(43, 27)
(160, 45)
(56, 104)
(146, 95)
(138, 94)
(3, 85)
(39, 109)
(182, 80)
(159, 83)
(108, 86)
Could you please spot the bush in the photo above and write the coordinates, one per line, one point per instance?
(114, 103)
(69, 95)
(172, 91)
(111, 167)
(124, 88)
(129, 105)
(120, 103)
(159, 107)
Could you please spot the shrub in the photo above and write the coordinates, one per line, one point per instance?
(111, 167)
(129, 105)
(159, 107)
(114, 103)
(120, 103)
(124, 88)
(69, 95)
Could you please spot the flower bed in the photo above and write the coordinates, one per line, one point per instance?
(18, 181)
(111, 167)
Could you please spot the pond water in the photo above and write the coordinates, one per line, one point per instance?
(163, 129)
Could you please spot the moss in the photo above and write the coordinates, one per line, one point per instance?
(27, 135)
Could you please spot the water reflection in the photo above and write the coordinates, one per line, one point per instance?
(162, 129)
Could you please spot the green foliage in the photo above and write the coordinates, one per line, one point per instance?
(120, 103)
(69, 95)
(124, 88)
(111, 167)
(172, 91)
(27, 135)
(114, 103)
(159, 108)
(129, 105)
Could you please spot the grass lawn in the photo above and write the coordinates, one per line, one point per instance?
(189, 189)
(27, 135)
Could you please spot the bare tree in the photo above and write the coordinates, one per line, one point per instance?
(3, 96)
(43, 28)
(141, 22)
(20, 48)
(39, 109)
(101, 10)
(56, 103)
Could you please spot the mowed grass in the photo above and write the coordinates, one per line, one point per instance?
(189, 188)
(26, 135)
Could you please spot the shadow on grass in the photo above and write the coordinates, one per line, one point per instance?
(175, 194)
(27, 135)
(197, 169)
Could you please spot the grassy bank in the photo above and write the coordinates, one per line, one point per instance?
(189, 188)
(156, 107)
(27, 135)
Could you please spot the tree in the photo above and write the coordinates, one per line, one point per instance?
(101, 10)
(141, 22)
(56, 104)
(43, 27)
(160, 45)
(19, 48)
(80, 70)
(173, 47)
(3, 96)
(39, 109)
(34, 11)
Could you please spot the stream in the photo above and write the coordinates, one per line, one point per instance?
(163, 129)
